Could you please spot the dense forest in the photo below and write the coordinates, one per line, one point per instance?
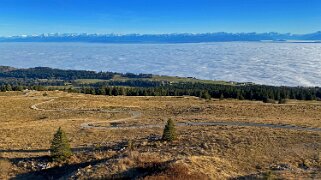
(144, 85)
(49, 73)
(207, 91)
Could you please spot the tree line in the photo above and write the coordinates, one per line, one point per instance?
(49, 73)
(207, 91)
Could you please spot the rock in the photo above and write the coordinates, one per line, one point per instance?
(303, 165)
(42, 166)
(280, 167)
(144, 143)
(21, 164)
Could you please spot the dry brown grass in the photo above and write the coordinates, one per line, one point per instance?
(213, 167)
(5, 169)
(175, 171)
(218, 152)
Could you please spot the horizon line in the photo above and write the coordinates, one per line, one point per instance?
(173, 33)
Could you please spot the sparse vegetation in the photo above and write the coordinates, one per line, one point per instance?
(268, 176)
(60, 149)
(173, 171)
(220, 152)
(130, 145)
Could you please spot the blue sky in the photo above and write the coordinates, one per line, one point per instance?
(158, 16)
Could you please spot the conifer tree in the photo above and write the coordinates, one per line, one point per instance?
(221, 96)
(206, 95)
(169, 133)
(8, 87)
(60, 149)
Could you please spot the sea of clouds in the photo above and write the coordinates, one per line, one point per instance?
(291, 64)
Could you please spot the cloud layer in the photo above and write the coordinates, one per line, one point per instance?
(292, 64)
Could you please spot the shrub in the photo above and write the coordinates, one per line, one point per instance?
(206, 95)
(282, 101)
(130, 145)
(240, 97)
(169, 133)
(42, 117)
(268, 175)
(60, 149)
(268, 100)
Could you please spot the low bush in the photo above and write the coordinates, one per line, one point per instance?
(282, 101)
(267, 100)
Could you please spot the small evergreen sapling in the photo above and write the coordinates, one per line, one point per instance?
(169, 133)
(60, 149)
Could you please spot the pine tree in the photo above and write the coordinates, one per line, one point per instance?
(60, 149)
(169, 133)
(8, 87)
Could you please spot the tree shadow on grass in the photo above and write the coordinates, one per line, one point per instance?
(62, 171)
(115, 147)
(58, 172)
(78, 149)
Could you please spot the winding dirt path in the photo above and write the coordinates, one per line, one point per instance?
(133, 114)
(34, 107)
(136, 114)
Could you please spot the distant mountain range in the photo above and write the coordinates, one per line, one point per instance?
(165, 38)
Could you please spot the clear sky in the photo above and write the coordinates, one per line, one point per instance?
(158, 16)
